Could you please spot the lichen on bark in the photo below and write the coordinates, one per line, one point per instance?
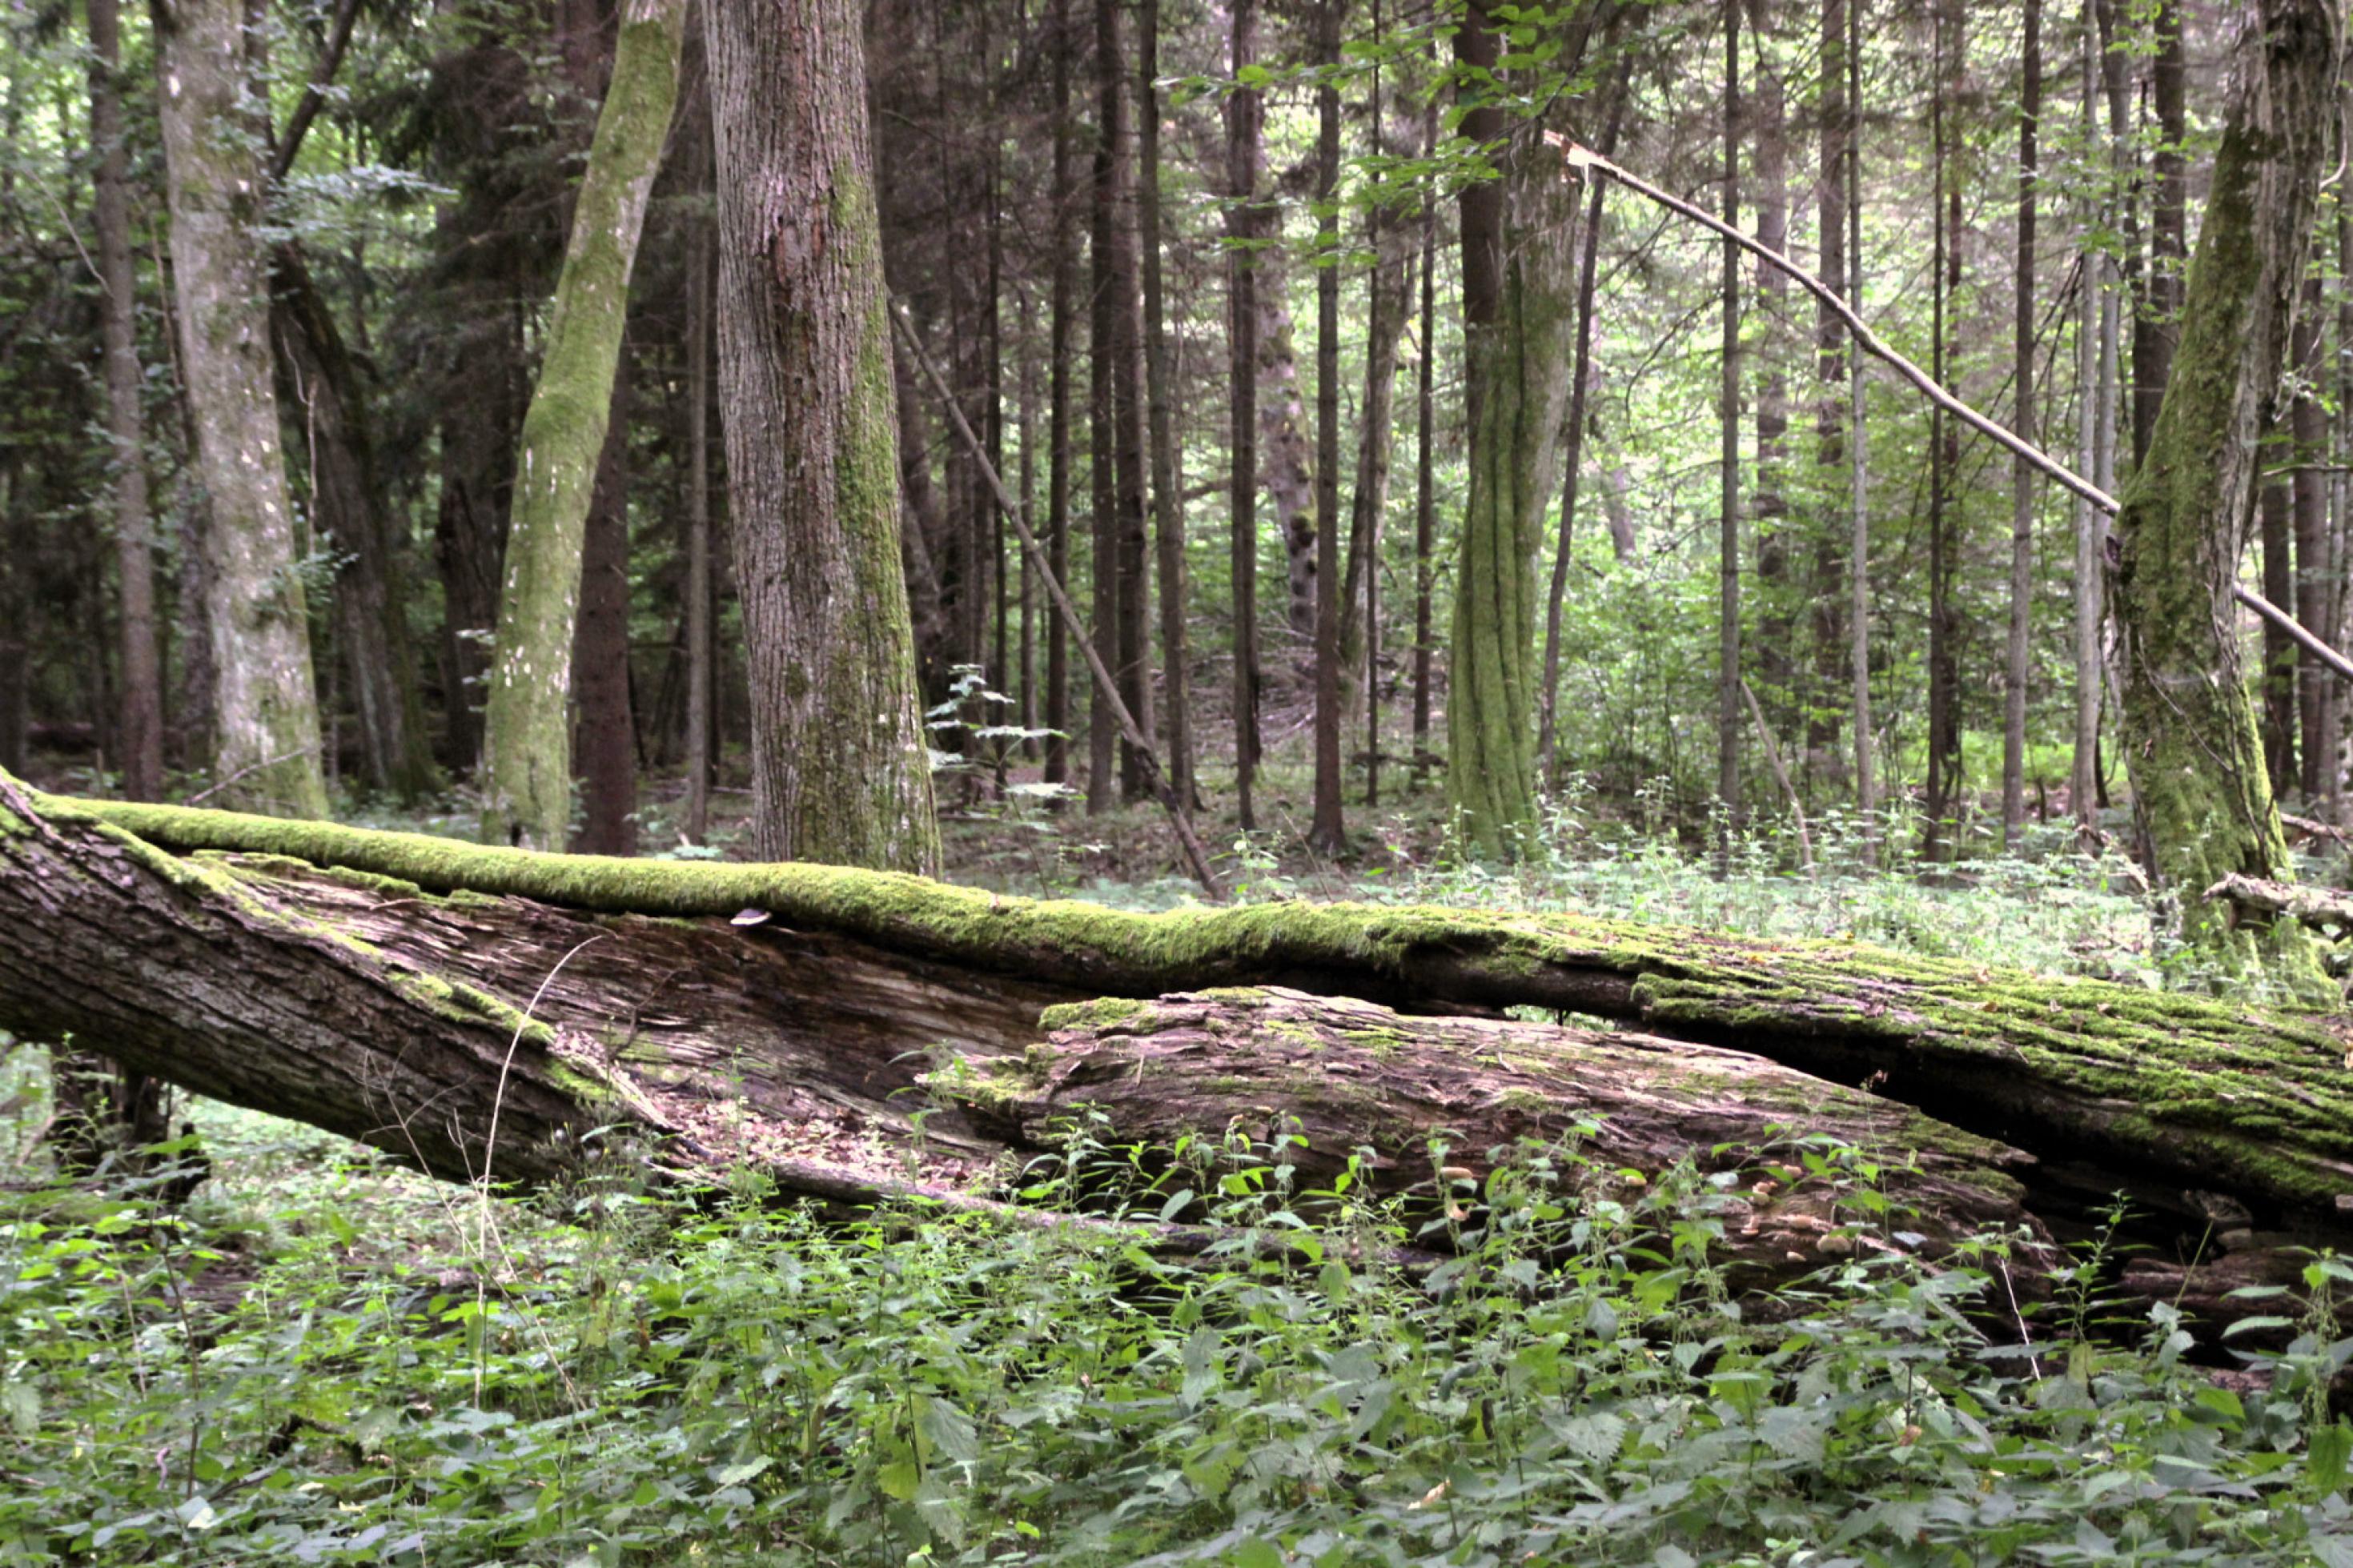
(527, 733)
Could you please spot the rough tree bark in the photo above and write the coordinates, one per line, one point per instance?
(527, 733)
(474, 1009)
(840, 771)
(2189, 733)
(1160, 393)
(1327, 832)
(2023, 474)
(264, 707)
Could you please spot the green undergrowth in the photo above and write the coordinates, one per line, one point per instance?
(407, 1375)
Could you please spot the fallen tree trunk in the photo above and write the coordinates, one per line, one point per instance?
(477, 1010)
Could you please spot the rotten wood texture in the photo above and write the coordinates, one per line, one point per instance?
(2319, 908)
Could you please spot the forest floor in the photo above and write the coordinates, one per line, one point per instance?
(326, 1359)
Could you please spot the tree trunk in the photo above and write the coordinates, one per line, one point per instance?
(2156, 327)
(1519, 281)
(700, 638)
(2277, 680)
(1572, 461)
(1775, 655)
(1286, 447)
(265, 752)
(1244, 226)
(1160, 393)
(483, 1034)
(2091, 396)
(1063, 287)
(1727, 632)
(2022, 473)
(2190, 738)
(1327, 833)
(1425, 502)
(2314, 688)
(1122, 351)
(605, 743)
(1830, 540)
(320, 392)
(139, 745)
(1858, 566)
(840, 770)
(1944, 784)
(527, 734)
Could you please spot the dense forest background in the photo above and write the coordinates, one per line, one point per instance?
(2009, 195)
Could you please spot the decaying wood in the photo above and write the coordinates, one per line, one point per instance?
(2320, 908)
(413, 993)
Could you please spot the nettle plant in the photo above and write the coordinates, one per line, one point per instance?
(1530, 1361)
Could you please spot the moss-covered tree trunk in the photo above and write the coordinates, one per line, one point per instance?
(839, 769)
(1519, 329)
(266, 710)
(527, 729)
(2191, 739)
(412, 992)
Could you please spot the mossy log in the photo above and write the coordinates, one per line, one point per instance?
(470, 1007)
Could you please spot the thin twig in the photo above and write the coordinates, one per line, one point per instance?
(211, 789)
(1147, 759)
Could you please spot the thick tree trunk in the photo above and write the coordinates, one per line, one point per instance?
(2316, 690)
(777, 1014)
(527, 733)
(1286, 449)
(1519, 281)
(266, 750)
(2189, 733)
(840, 770)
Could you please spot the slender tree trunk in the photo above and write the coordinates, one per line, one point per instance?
(1327, 833)
(2198, 780)
(266, 750)
(1245, 226)
(2342, 542)
(1944, 668)
(1425, 506)
(1027, 378)
(1727, 672)
(2278, 677)
(2155, 326)
(2022, 473)
(1389, 287)
(1858, 569)
(1062, 286)
(605, 739)
(1774, 656)
(527, 794)
(1124, 350)
(701, 753)
(1831, 542)
(1160, 392)
(2091, 320)
(139, 744)
(1102, 360)
(1572, 461)
(840, 771)
(325, 401)
(2315, 685)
